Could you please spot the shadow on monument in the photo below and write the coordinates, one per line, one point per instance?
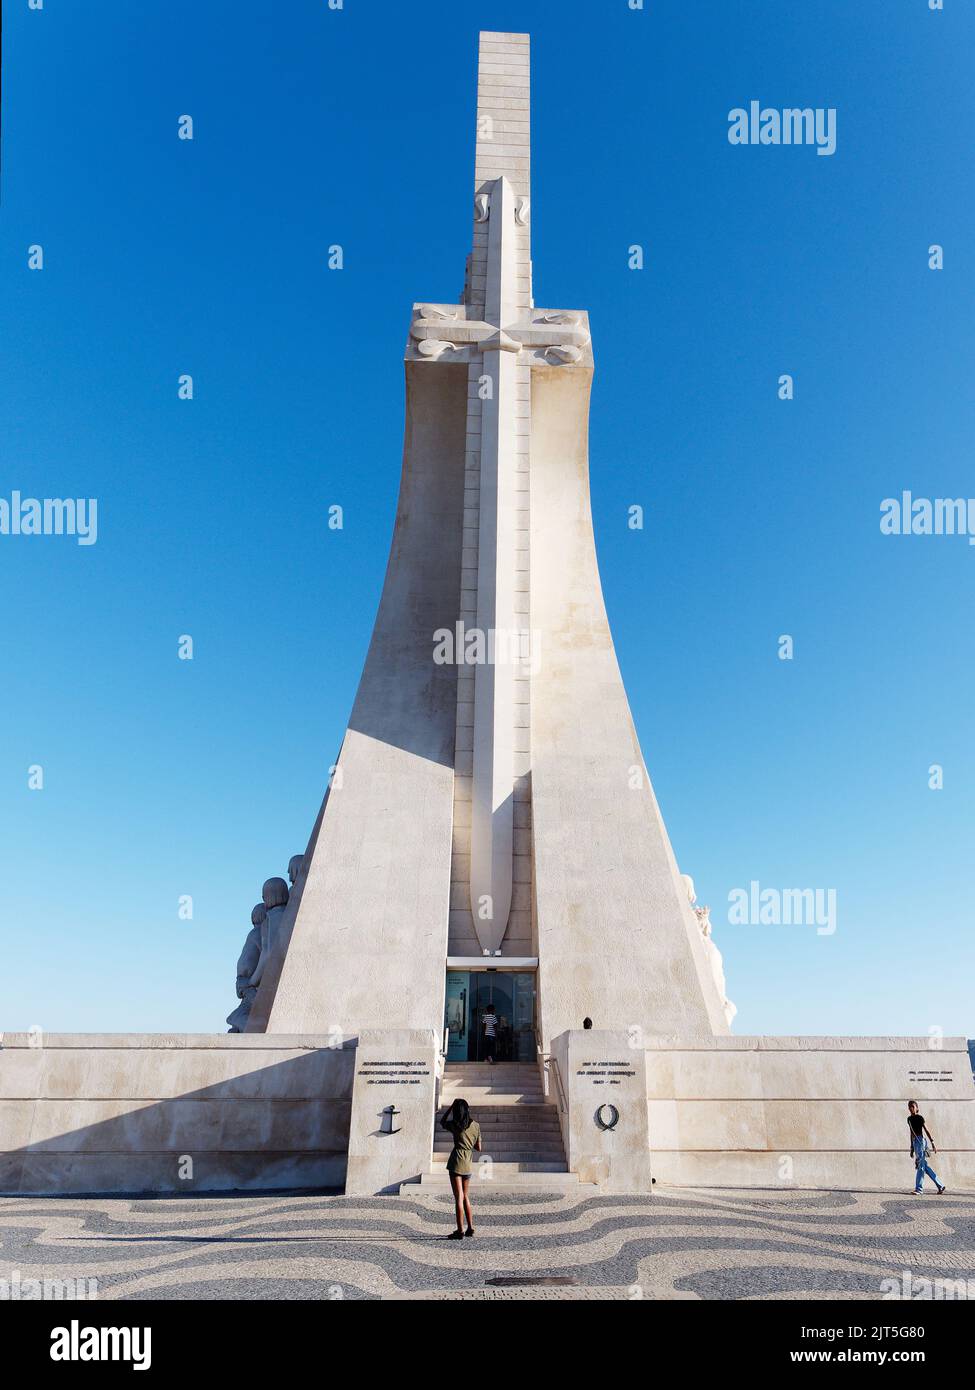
(283, 1127)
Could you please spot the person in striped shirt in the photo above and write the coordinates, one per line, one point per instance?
(490, 1025)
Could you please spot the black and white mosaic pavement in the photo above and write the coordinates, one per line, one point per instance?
(682, 1243)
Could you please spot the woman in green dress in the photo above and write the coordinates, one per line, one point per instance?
(467, 1137)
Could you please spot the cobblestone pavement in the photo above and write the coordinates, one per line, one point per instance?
(682, 1243)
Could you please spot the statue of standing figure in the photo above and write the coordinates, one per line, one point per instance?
(295, 865)
(246, 965)
(703, 915)
(266, 919)
(275, 894)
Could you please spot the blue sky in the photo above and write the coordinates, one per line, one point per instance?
(311, 127)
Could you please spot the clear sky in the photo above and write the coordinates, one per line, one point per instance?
(165, 778)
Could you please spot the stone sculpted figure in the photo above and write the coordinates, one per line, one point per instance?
(703, 915)
(275, 895)
(295, 865)
(246, 966)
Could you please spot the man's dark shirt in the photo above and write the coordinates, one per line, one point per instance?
(916, 1123)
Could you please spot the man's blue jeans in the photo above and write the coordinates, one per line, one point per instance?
(921, 1164)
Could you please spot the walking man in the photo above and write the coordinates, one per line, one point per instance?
(920, 1134)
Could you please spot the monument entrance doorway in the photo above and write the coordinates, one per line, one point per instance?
(468, 995)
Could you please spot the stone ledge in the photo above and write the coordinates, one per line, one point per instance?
(758, 1043)
(246, 1042)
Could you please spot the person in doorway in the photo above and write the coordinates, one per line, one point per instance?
(490, 1026)
(466, 1133)
(920, 1134)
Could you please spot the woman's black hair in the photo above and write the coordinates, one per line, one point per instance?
(458, 1117)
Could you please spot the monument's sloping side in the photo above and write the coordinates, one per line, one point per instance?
(367, 942)
(618, 941)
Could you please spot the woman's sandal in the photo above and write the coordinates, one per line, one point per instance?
(469, 1231)
(456, 1235)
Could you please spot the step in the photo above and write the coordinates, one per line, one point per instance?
(506, 1167)
(520, 1117)
(530, 1075)
(493, 1083)
(547, 1133)
(466, 1064)
(480, 1097)
(502, 1134)
(514, 1150)
(535, 1162)
(505, 1178)
(514, 1142)
(508, 1134)
(544, 1129)
(523, 1114)
(509, 1117)
(544, 1148)
(501, 1083)
(532, 1082)
(521, 1085)
(498, 1134)
(515, 1153)
(541, 1107)
(476, 1069)
(516, 1115)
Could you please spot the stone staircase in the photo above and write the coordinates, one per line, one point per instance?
(520, 1130)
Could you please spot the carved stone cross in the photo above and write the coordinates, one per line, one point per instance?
(501, 348)
(552, 336)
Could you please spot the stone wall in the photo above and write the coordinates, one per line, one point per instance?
(601, 1092)
(813, 1112)
(129, 1113)
(393, 1101)
(172, 1113)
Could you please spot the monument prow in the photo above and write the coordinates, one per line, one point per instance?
(497, 788)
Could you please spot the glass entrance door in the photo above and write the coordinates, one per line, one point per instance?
(523, 1018)
(492, 991)
(512, 995)
(457, 1020)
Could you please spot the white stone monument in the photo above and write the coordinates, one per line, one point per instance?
(495, 805)
(490, 825)
(493, 801)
